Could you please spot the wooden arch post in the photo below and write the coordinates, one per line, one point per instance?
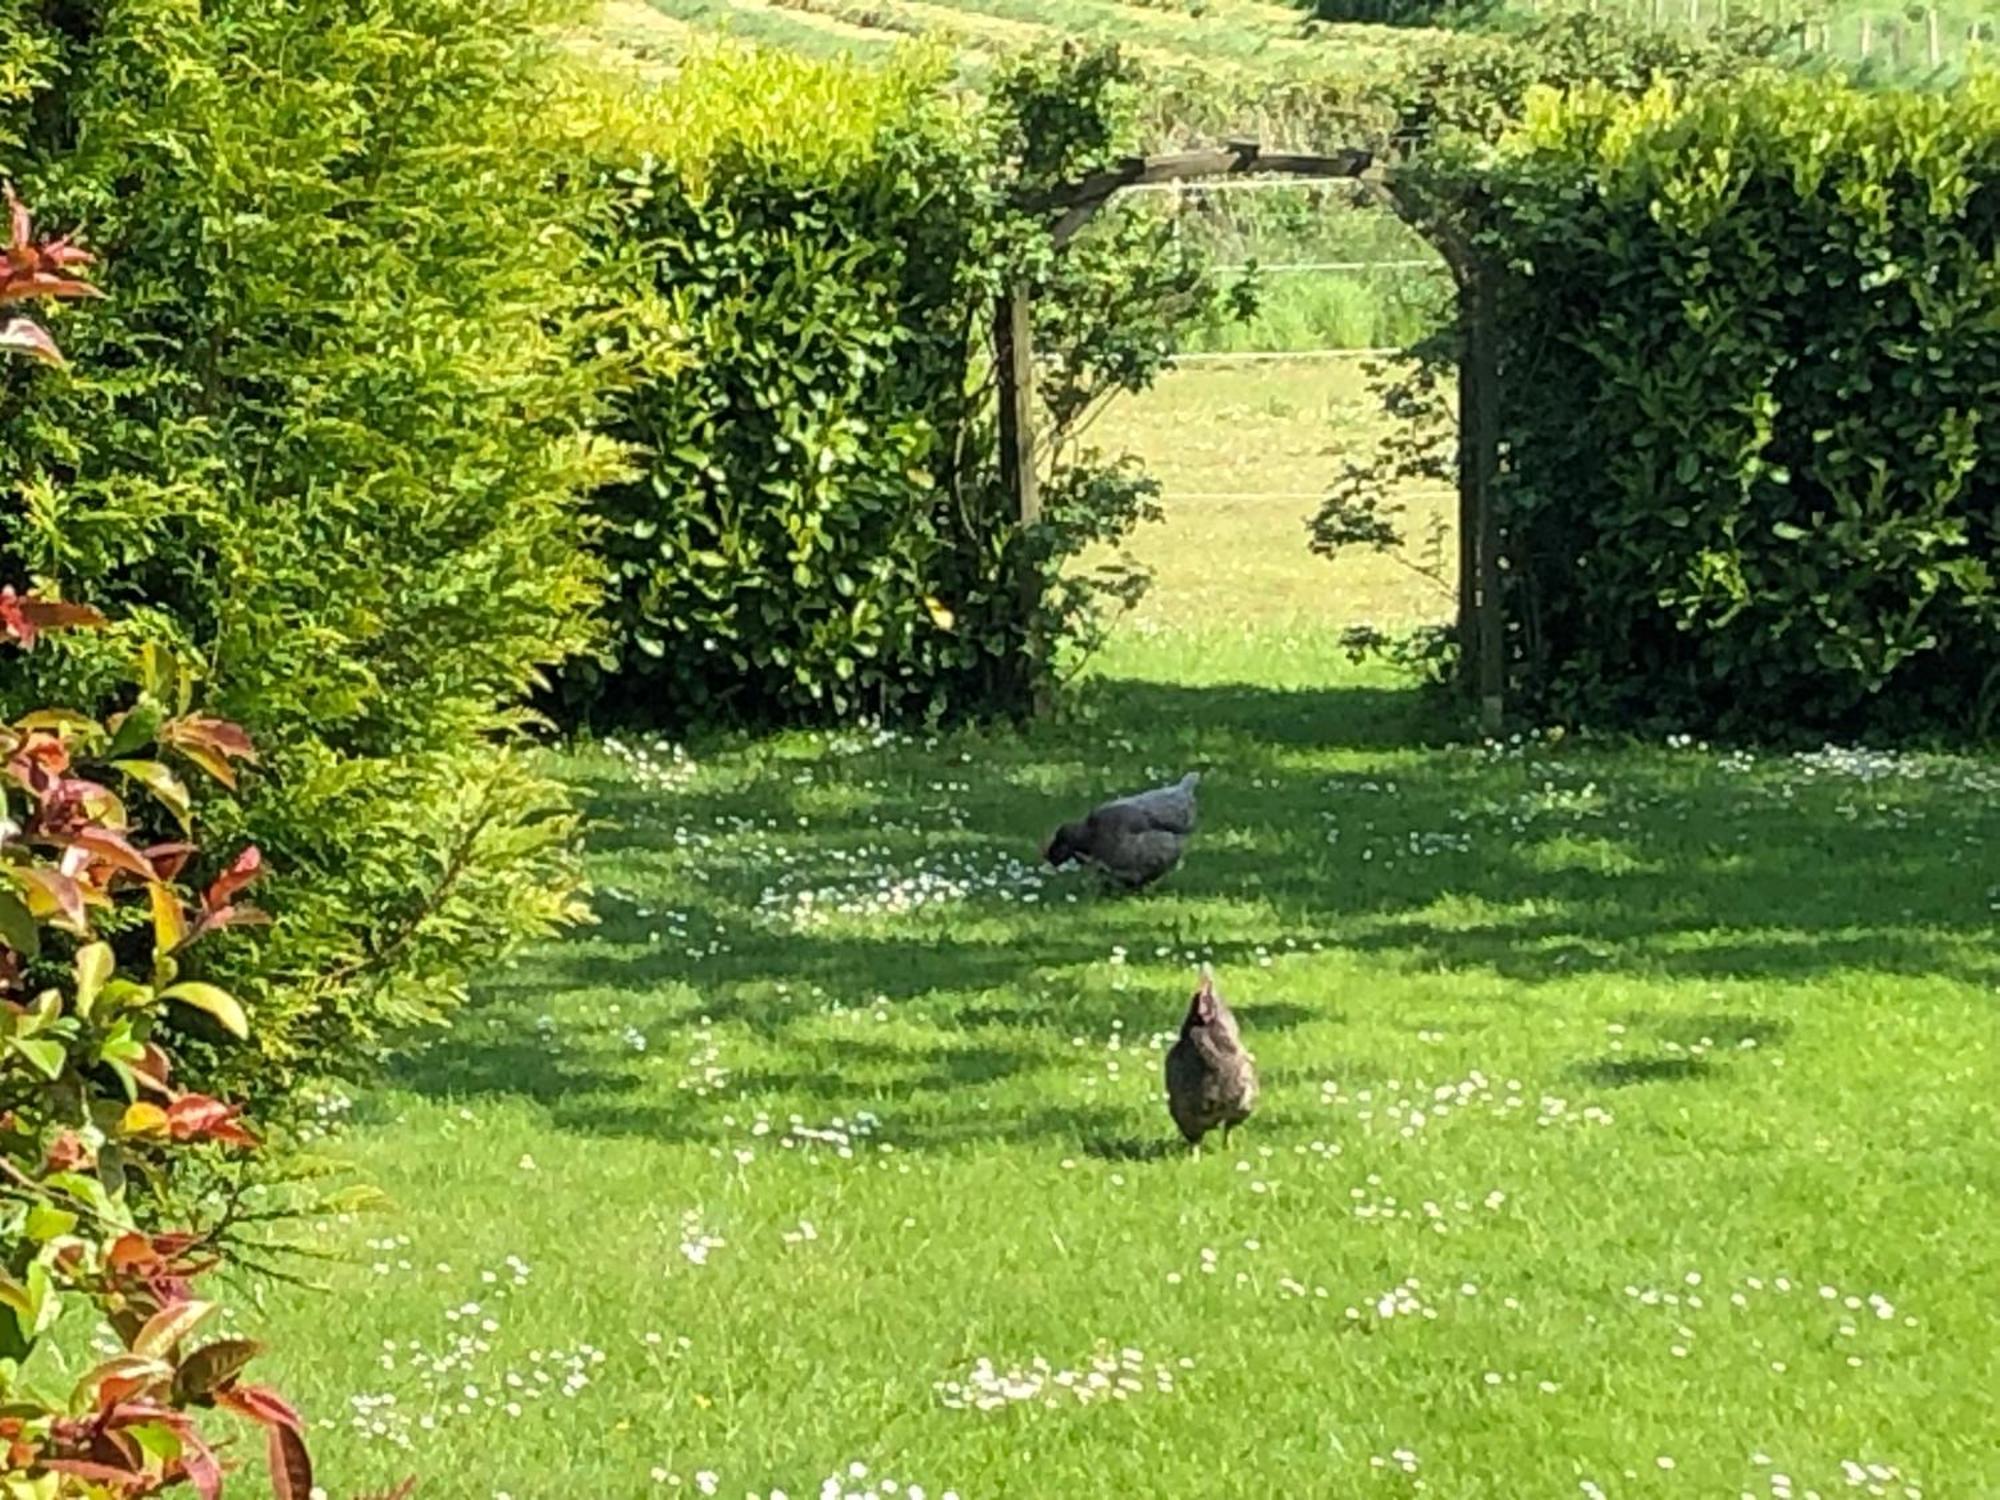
(1075, 205)
(1479, 466)
(1482, 628)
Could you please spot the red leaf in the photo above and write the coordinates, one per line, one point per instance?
(169, 859)
(154, 1068)
(115, 850)
(44, 283)
(163, 1333)
(228, 916)
(71, 805)
(68, 1152)
(129, 1252)
(28, 262)
(196, 1117)
(117, 1388)
(261, 1405)
(83, 1468)
(40, 763)
(21, 227)
(246, 867)
(204, 732)
(60, 252)
(26, 336)
(55, 614)
(203, 1472)
(12, 620)
(291, 1465)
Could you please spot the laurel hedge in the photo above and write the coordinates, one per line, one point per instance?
(1750, 344)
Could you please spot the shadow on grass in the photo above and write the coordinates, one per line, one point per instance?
(1342, 819)
(1134, 1148)
(1622, 1072)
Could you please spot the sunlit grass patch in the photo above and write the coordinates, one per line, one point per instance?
(1628, 1124)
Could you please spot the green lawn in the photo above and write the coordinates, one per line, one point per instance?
(1629, 1127)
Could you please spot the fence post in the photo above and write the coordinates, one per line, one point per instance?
(1014, 362)
(1468, 487)
(1867, 36)
(1934, 42)
(1481, 623)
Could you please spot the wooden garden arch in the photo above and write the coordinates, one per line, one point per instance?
(1480, 622)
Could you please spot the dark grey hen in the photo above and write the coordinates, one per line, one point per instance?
(1135, 840)
(1211, 1081)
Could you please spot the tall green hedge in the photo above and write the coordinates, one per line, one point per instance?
(813, 234)
(328, 433)
(803, 258)
(1751, 374)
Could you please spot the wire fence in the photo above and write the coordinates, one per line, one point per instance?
(1303, 267)
(1269, 356)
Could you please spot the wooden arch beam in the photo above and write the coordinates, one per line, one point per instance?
(1080, 201)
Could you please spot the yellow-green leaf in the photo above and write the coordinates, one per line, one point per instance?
(18, 928)
(216, 1002)
(941, 615)
(41, 1014)
(216, 764)
(46, 1057)
(18, 1297)
(95, 965)
(143, 1119)
(46, 1222)
(35, 1487)
(125, 994)
(163, 678)
(169, 918)
(159, 779)
(60, 721)
(135, 729)
(157, 1439)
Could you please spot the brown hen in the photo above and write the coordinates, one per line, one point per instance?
(1211, 1081)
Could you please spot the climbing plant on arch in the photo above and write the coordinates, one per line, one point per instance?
(1071, 207)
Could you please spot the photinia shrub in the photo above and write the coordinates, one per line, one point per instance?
(100, 909)
(97, 918)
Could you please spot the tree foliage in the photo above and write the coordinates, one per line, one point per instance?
(326, 441)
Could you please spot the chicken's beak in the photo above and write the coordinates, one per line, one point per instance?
(1204, 997)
